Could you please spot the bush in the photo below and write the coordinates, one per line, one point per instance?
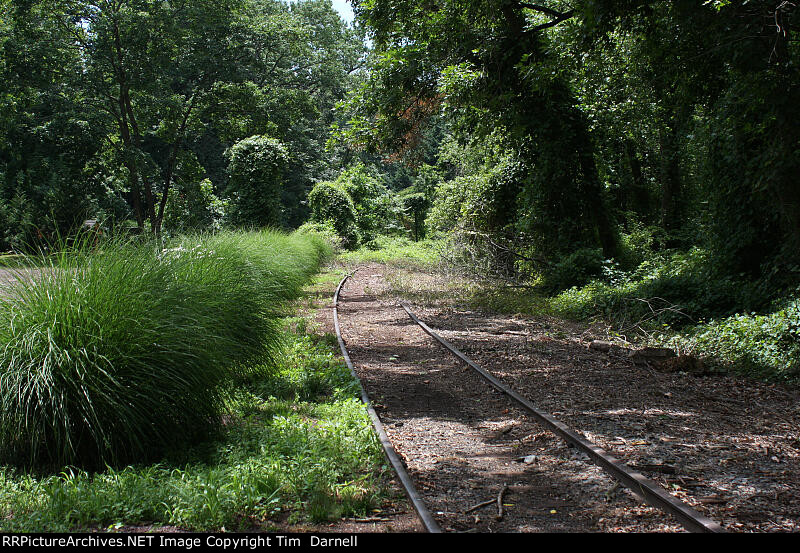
(763, 345)
(456, 201)
(640, 245)
(255, 169)
(325, 230)
(574, 270)
(194, 206)
(377, 211)
(120, 355)
(676, 288)
(17, 230)
(331, 204)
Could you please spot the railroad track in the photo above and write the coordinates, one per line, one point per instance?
(642, 487)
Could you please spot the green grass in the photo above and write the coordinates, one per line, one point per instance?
(122, 353)
(424, 254)
(297, 447)
(12, 261)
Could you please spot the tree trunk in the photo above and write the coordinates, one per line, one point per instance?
(640, 198)
(670, 178)
(593, 189)
(786, 137)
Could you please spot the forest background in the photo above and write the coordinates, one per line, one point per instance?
(632, 160)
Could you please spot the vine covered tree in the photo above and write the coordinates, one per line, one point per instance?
(489, 64)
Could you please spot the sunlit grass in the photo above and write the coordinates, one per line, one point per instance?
(12, 261)
(425, 254)
(296, 447)
(122, 352)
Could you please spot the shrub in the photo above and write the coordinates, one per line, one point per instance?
(763, 345)
(377, 211)
(194, 206)
(17, 229)
(255, 169)
(640, 244)
(331, 204)
(675, 288)
(575, 269)
(325, 230)
(122, 354)
(456, 200)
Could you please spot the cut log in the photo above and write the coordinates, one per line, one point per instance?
(599, 345)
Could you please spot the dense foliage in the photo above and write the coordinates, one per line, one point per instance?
(332, 205)
(297, 446)
(256, 170)
(577, 121)
(641, 156)
(114, 110)
(624, 158)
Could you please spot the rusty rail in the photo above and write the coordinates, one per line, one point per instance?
(424, 514)
(643, 487)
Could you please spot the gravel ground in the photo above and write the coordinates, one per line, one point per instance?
(728, 446)
(464, 443)
(6, 276)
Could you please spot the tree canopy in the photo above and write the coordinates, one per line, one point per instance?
(556, 140)
(605, 115)
(109, 106)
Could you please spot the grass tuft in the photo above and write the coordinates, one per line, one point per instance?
(123, 353)
(295, 449)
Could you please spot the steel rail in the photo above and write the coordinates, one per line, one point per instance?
(645, 488)
(424, 514)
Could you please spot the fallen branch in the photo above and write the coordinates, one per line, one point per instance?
(538, 260)
(479, 505)
(500, 502)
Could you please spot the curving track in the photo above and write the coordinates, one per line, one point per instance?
(641, 486)
(425, 516)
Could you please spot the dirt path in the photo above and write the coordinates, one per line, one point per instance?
(462, 441)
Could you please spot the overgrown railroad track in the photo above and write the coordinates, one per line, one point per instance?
(641, 486)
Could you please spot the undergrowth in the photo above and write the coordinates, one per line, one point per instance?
(677, 300)
(296, 447)
(766, 346)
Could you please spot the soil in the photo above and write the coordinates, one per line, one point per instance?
(728, 446)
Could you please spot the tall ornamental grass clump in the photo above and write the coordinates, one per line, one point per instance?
(120, 354)
(282, 263)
